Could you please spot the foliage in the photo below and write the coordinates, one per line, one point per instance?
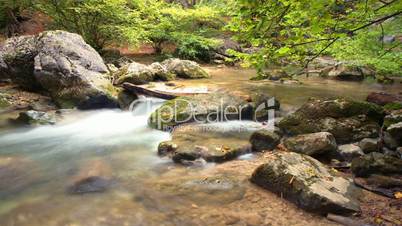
(191, 31)
(100, 22)
(11, 14)
(369, 48)
(286, 30)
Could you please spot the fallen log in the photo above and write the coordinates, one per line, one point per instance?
(148, 92)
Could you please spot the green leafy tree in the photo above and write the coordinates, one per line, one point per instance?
(288, 31)
(100, 22)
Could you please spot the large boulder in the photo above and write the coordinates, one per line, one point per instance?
(347, 120)
(185, 68)
(135, 73)
(62, 64)
(311, 144)
(369, 145)
(265, 139)
(376, 163)
(308, 183)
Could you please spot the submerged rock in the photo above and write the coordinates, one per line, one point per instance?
(89, 185)
(347, 120)
(36, 118)
(17, 174)
(93, 176)
(350, 151)
(185, 68)
(311, 144)
(308, 183)
(264, 139)
(376, 163)
(62, 64)
(166, 147)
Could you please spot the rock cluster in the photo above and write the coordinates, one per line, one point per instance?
(167, 70)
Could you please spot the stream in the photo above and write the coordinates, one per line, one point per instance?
(146, 189)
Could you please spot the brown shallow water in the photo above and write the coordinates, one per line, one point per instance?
(37, 165)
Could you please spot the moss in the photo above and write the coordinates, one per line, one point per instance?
(393, 106)
(169, 112)
(4, 103)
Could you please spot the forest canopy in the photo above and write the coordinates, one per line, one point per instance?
(279, 31)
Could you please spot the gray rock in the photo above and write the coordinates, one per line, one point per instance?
(347, 120)
(351, 72)
(185, 68)
(350, 151)
(376, 163)
(395, 130)
(62, 64)
(161, 72)
(369, 145)
(134, 73)
(389, 141)
(265, 140)
(311, 144)
(393, 117)
(36, 118)
(308, 183)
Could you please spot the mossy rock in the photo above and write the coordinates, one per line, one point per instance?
(347, 120)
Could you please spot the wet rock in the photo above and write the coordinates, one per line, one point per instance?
(89, 185)
(273, 75)
(125, 98)
(36, 118)
(62, 64)
(166, 147)
(382, 98)
(369, 145)
(347, 120)
(191, 143)
(308, 183)
(350, 151)
(395, 130)
(185, 68)
(211, 107)
(161, 72)
(389, 141)
(134, 73)
(264, 139)
(311, 144)
(384, 79)
(376, 163)
(350, 72)
(210, 154)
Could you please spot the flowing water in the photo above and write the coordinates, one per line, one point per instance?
(37, 166)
